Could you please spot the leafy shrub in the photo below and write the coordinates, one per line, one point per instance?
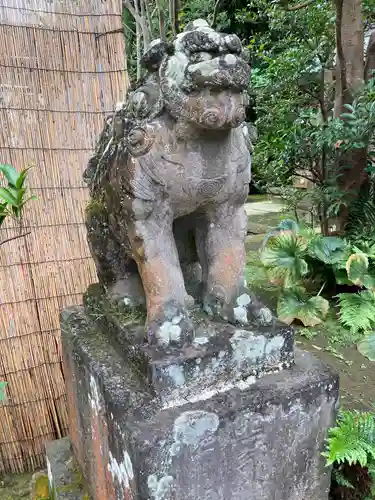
(12, 201)
(299, 262)
(352, 442)
(13, 196)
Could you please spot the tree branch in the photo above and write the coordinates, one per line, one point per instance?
(139, 21)
(291, 8)
(339, 47)
(216, 11)
(161, 20)
(14, 238)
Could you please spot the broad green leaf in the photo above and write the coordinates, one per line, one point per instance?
(285, 226)
(294, 304)
(288, 225)
(10, 173)
(22, 177)
(328, 249)
(3, 386)
(369, 282)
(341, 276)
(357, 267)
(17, 193)
(366, 346)
(285, 253)
(7, 196)
(349, 107)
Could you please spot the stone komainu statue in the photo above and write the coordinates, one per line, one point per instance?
(166, 222)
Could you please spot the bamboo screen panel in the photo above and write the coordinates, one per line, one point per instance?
(62, 69)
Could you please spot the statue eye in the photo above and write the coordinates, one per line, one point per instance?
(198, 57)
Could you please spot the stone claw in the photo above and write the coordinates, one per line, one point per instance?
(173, 327)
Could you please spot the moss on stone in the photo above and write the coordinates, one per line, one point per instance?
(126, 316)
(77, 484)
(95, 207)
(41, 488)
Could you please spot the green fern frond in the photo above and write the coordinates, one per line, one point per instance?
(353, 440)
(357, 310)
(361, 216)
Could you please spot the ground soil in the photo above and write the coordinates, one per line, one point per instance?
(15, 487)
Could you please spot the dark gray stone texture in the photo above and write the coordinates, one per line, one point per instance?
(65, 478)
(258, 438)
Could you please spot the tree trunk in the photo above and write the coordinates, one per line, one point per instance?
(349, 77)
(370, 58)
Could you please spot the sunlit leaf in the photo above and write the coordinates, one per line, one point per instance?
(22, 177)
(7, 196)
(10, 173)
(357, 267)
(328, 249)
(285, 252)
(366, 346)
(295, 304)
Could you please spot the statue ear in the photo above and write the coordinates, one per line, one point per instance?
(155, 53)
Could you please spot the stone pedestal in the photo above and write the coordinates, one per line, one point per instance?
(233, 417)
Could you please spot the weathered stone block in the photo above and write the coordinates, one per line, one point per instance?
(235, 438)
(65, 479)
(220, 354)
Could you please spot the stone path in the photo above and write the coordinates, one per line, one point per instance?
(264, 207)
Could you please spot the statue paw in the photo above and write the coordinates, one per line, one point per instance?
(249, 310)
(173, 327)
(246, 309)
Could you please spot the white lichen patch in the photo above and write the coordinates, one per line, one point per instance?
(167, 332)
(191, 427)
(247, 347)
(243, 300)
(94, 395)
(176, 67)
(275, 344)
(265, 316)
(211, 392)
(240, 315)
(160, 489)
(121, 472)
(176, 373)
(200, 341)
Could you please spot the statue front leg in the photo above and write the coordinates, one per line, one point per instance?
(221, 237)
(155, 252)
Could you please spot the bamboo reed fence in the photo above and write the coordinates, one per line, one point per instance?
(62, 69)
